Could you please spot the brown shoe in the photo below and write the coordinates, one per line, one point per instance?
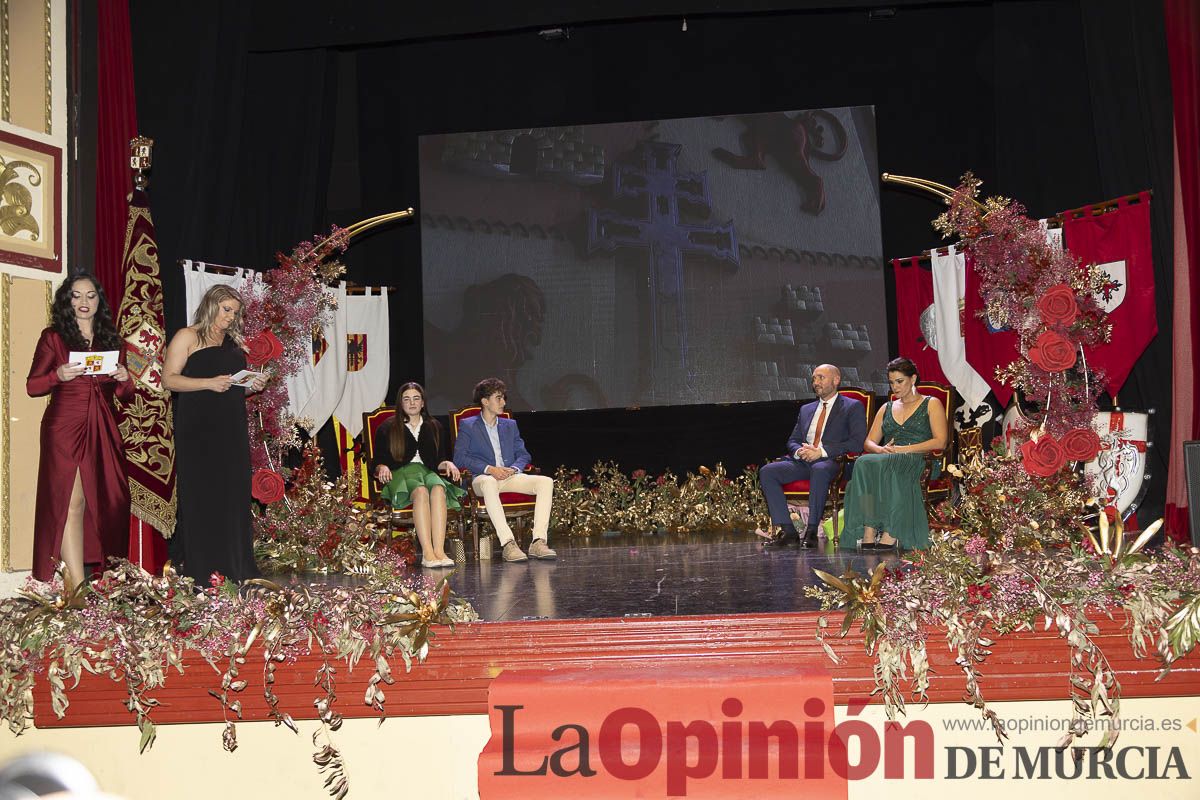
(512, 552)
(539, 549)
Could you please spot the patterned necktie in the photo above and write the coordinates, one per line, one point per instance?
(820, 425)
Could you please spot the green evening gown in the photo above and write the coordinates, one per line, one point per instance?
(885, 490)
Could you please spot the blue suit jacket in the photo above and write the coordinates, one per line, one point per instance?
(845, 427)
(473, 449)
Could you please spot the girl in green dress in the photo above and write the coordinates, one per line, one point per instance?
(884, 500)
(407, 461)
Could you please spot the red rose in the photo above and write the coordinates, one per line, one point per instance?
(266, 486)
(638, 474)
(1043, 457)
(1052, 352)
(1080, 444)
(1058, 306)
(263, 348)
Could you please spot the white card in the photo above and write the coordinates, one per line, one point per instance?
(244, 378)
(102, 362)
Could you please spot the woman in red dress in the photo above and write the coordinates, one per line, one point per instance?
(82, 514)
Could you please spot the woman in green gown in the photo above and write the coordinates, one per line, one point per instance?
(883, 500)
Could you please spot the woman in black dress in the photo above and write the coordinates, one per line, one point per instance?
(213, 529)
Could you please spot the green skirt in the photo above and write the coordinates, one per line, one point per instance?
(885, 493)
(412, 475)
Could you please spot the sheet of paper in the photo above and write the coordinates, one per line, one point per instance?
(102, 362)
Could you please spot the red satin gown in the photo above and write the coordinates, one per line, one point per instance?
(79, 432)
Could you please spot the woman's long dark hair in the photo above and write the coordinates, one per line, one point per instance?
(62, 317)
(397, 441)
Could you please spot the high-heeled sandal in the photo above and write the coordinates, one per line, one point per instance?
(72, 596)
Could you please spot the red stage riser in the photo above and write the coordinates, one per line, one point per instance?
(461, 665)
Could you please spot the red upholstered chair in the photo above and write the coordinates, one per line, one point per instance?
(797, 491)
(518, 507)
(401, 517)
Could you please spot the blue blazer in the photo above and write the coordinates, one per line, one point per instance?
(845, 427)
(473, 449)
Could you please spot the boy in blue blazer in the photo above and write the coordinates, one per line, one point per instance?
(490, 446)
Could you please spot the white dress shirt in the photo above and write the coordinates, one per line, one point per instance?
(415, 430)
(493, 432)
(812, 426)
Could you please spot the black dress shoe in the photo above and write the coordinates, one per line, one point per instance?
(784, 539)
(809, 540)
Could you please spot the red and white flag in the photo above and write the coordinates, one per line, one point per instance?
(1119, 241)
(949, 289)
(915, 323)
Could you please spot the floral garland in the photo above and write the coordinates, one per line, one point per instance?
(611, 501)
(135, 627)
(320, 527)
(281, 316)
(982, 579)
(1050, 300)
(1004, 507)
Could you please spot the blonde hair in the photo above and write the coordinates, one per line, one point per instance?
(210, 305)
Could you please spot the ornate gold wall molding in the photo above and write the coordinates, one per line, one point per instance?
(5, 425)
(27, 30)
(49, 72)
(6, 77)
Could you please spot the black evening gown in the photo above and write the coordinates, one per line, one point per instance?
(213, 529)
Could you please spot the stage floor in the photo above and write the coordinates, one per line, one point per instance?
(651, 575)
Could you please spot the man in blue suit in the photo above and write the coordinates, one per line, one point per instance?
(490, 446)
(830, 426)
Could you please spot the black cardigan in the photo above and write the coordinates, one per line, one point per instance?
(431, 451)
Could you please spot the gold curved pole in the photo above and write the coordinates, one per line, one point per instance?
(933, 187)
(364, 225)
(367, 224)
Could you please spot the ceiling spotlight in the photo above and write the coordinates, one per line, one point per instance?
(684, 28)
(555, 34)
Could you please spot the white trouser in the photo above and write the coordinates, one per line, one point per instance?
(539, 485)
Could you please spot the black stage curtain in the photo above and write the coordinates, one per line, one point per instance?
(243, 140)
(1055, 102)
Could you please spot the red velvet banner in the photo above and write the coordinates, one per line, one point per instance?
(1119, 241)
(146, 421)
(988, 348)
